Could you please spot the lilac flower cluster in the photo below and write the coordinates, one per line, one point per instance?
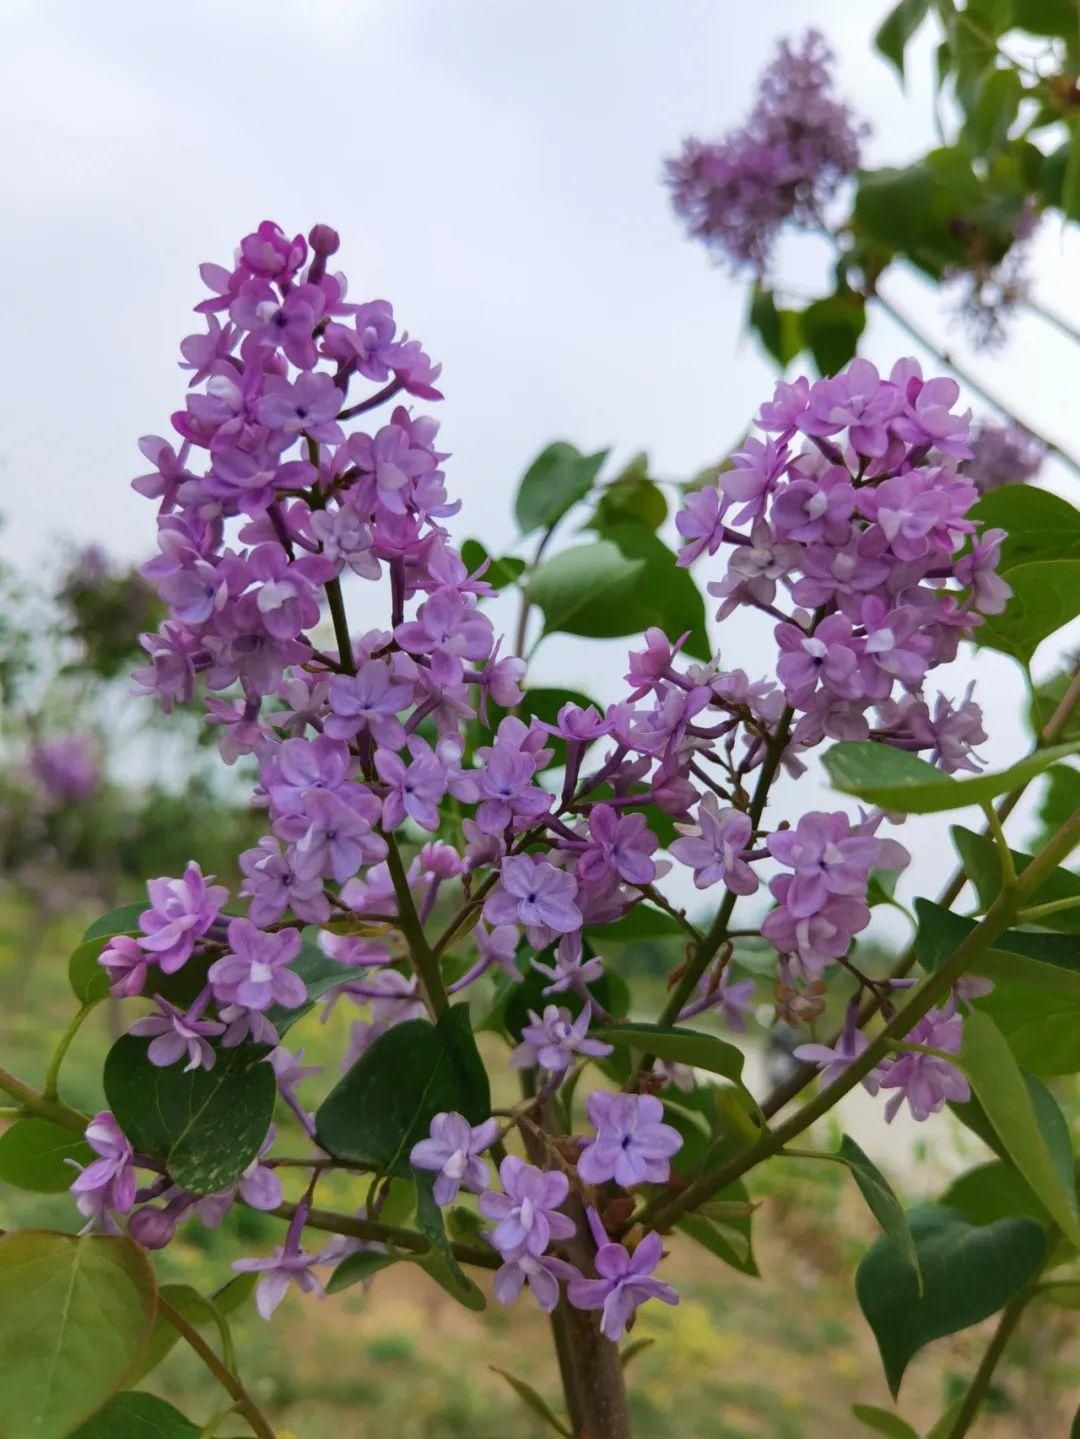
(786, 163)
(1001, 455)
(66, 767)
(846, 524)
(631, 1146)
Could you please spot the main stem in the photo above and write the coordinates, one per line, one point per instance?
(589, 1364)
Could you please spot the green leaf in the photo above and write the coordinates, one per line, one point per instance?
(1046, 596)
(620, 585)
(1025, 1119)
(202, 1312)
(914, 210)
(896, 780)
(941, 931)
(991, 1191)
(991, 115)
(642, 922)
(1070, 185)
(1061, 798)
(725, 1241)
(358, 1268)
(778, 330)
(944, 1426)
(980, 860)
(968, 1273)
(677, 1045)
(1038, 525)
(632, 498)
(75, 1314)
(1046, 17)
(882, 1202)
(87, 977)
(387, 1100)
(138, 1416)
(883, 1421)
(499, 573)
(529, 1397)
(831, 329)
(124, 920)
(34, 1155)
(633, 1349)
(206, 1126)
(439, 1262)
(1035, 1001)
(897, 29)
(554, 482)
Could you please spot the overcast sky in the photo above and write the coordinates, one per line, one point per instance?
(493, 167)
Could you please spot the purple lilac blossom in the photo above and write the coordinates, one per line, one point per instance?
(107, 1184)
(527, 1210)
(632, 1144)
(625, 1282)
(787, 161)
(551, 1040)
(453, 1152)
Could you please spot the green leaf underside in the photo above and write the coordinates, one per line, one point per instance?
(439, 1261)
(34, 1155)
(532, 1400)
(896, 780)
(1025, 1118)
(356, 1268)
(206, 1126)
(883, 1421)
(882, 1202)
(678, 1045)
(968, 1273)
(980, 860)
(75, 1315)
(133, 1415)
(620, 585)
(387, 1100)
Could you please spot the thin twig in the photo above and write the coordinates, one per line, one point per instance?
(229, 1381)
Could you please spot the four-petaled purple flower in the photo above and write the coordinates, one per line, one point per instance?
(453, 1152)
(528, 1209)
(632, 1144)
(181, 912)
(625, 1282)
(107, 1183)
(552, 1040)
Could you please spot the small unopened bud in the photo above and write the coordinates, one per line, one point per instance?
(152, 1228)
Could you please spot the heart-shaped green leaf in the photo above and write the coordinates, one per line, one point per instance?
(968, 1273)
(75, 1315)
(386, 1102)
(133, 1415)
(34, 1155)
(206, 1126)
